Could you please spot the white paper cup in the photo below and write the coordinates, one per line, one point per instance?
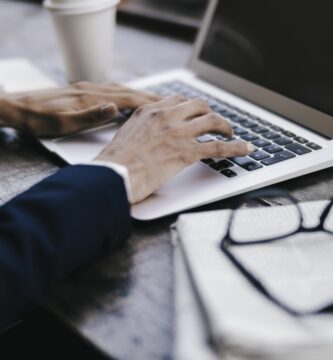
(85, 29)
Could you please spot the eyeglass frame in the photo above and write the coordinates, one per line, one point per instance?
(229, 241)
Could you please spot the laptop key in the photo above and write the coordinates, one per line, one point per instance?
(250, 137)
(221, 165)
(228, 173)
(223, 138)
(301, 140)
(249, 124)
(313, 146)
(127, 112)
(289, 134)
(261, 143)
(261, 121)
(237, 118)
(298, 149)
(281, 156)
(224, 164)
(218, 108)
(163, 92)
(259, 155)
(226, 113)
(191, 94)
(176, 85)
(208, 161)
(271, 135)
(272, 149)
(205, 138)
(260, 130)
(239, 131)
(276, 128)
(214, 166)
(246, 163)
(282, 141)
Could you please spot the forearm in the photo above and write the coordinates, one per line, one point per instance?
(63, 223)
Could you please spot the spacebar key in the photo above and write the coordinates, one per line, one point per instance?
(246, 163)
(281, 156)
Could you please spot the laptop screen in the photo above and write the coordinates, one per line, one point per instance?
(284, 46)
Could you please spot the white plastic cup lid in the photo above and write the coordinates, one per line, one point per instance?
(78, 6)
(71, 1)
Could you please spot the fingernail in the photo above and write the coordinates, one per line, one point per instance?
(250, 147)
(107, 110)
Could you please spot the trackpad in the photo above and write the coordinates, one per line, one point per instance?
(87, 145)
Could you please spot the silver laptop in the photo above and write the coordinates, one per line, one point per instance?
(267, 67)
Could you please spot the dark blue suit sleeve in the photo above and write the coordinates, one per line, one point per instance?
(63, 223)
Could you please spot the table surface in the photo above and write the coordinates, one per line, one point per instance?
(124, 303)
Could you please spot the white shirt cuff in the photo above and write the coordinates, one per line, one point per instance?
(121, 170)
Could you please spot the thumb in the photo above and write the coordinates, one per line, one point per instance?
(90, 117)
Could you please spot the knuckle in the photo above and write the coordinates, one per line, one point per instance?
(180, 98)
(85, 99)
(174, 132)
(201, 103)
(139, 110)
(219, 147)
(157, 114)
(214, 120)
(178, 135)
(188, 157)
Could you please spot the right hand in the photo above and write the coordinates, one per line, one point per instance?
(64, 111)
(159, 140)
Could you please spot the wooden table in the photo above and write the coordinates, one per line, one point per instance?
(124, 303)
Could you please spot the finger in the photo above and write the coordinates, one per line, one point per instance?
(116, 89)
(143, 93)
(189, 109)
(168, 102)
(90, 117)
(128, 93)
(121, 100)
(212, 122)
(224, 149)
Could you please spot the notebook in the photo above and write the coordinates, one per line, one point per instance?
(230, 313)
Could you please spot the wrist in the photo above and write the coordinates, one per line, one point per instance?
(10, 114)
(137, 175)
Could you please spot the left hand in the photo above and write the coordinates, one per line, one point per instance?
(60, 112)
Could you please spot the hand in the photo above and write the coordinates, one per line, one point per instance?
(159, 140)
(71, 109)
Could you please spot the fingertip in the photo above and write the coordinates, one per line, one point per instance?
(108, 110)
(250, 148)
(154, 96)
(241, 148)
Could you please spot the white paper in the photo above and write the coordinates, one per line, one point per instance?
(18, 75)
(190, 331)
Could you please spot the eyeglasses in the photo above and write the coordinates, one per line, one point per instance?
(261, 227)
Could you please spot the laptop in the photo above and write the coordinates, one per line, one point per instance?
(264, 65)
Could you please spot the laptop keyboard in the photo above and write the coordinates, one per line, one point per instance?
(274, 144)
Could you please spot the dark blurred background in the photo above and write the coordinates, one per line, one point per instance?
(186, 14)
(180, 18)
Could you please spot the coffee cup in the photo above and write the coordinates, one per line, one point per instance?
(85, 30)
